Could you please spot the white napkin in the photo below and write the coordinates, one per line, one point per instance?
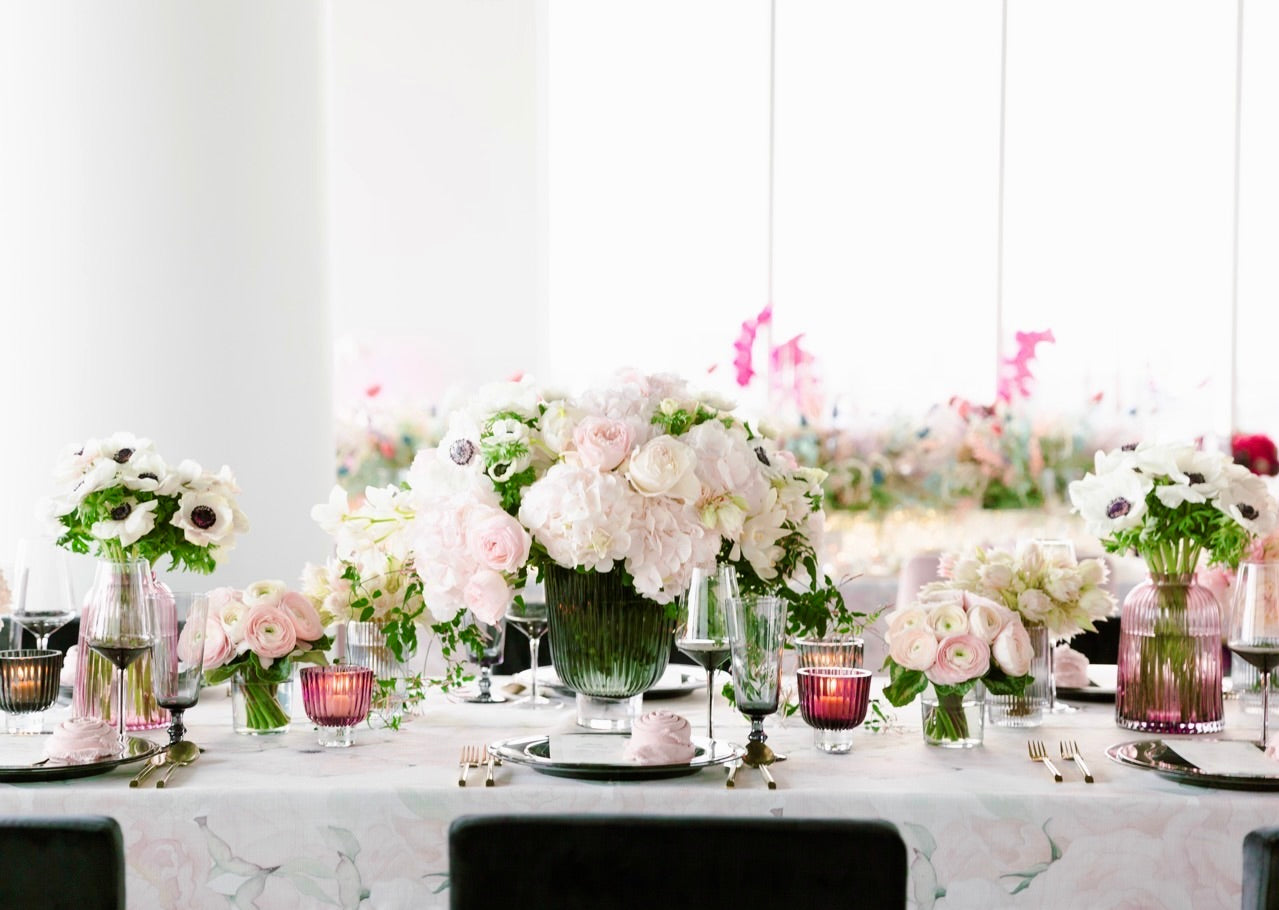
(1225, 757)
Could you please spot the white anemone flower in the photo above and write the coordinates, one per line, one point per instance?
(1244, 498)
(1203, 472)
(129, 522)
(205, 518)
(120, 447)
(144, 471)
(1112, 502)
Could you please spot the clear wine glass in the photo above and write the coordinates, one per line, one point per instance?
(487, 657)
(177, 661)
(703, 630)
(1254, 626)
(43, 599)
(531, 617)
(122, 629)
(757, 635)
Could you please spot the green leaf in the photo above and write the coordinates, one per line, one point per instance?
(903, 684)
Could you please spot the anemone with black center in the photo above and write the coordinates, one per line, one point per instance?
(1195, 478)
(461, 452)
(121, 456)
(762, 456)
(147, 475)
(1118, 508)
(203, 517)
(121, 512)
(1248, 511)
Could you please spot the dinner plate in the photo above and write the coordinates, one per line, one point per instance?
(676, 680)
(138, 750)
(1162, 758)
(1101, 685)
(535, 752)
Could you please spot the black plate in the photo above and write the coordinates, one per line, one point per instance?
(535, 752)
(1161, 757)
(139, 749)
(1090, 693)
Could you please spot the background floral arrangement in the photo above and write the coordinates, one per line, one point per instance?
(376, 443)
(118, 499)
(1066, 597)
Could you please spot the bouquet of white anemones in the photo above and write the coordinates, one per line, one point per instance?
(1169, 503)
(120, 500)
(1066, 597)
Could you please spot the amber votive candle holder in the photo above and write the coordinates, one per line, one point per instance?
(29, 680)
(833, 701)
(337, 698)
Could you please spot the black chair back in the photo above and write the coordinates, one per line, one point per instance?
(1261, 869)
(63, 863)
(630, 862)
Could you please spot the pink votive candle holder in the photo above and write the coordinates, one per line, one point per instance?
(833, 701)
(337, 698)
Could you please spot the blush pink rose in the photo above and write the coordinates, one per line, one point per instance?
(306, 621)
(602, 443)
(959, 659)
(487, 595)
(217, 647)
(497, 541)
(269, 633)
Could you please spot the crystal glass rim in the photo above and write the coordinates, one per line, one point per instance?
(38, 655)
(845, 672)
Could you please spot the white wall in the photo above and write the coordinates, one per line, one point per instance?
(162, 241)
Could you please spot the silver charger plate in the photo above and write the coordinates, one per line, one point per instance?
(138, 749)
(535, 752)
(1162, 758)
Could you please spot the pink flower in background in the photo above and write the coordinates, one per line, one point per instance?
(217, 647)
(1012, 650)
(306, 621)
(496, 540)
(487, 595)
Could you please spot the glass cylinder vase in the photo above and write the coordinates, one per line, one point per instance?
(608, 644)
(262, 706)
(366, 647)
(1169, 678)
(1028, 709)
(954, 720)
(95, 680)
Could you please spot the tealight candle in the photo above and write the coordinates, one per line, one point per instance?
(833, 701)
(29, 681)
(337, 698)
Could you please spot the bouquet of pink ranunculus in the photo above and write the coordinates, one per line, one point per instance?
(955, 640)
(258, 634)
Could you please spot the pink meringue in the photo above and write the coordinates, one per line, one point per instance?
(81, 740)
(660, 738)
(1070, 668)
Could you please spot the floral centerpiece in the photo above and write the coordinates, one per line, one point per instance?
(1172, 504)
(953, 641)
(118, 499)
(253, 638)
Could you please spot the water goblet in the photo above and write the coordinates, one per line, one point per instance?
(531, 618)
(757, 635)
(487, 656)
(1254, 627)
(43, 601)
(833, 701)
(122, 630)
(703, 630)
(177, 661)
(28, 685)
(336, 698)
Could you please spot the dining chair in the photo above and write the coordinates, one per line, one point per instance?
(1261, 869)
(628, 862)
(71, 862)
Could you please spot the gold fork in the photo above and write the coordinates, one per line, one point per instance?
(490, 762)
(470, 758)
(1039, 753)
(1070, 752)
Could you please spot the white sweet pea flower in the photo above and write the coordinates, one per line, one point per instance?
(130, 521)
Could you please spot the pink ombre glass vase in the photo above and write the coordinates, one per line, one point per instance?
(95, 678)
(1170, 658)
(336, 699)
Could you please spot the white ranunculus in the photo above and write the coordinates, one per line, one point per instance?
(946, 619)
(664, 466)
(902, 621)
(915, 649)
(1012, 650)
(986, 619)
(130, 521)
(266, 591)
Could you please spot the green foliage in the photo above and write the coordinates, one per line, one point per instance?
(1170, 539)
(678, 421)
(164, 540)
(904, 685)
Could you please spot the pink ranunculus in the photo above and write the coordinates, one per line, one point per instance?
(1013, 650)
(914, 649)
(497, 541)
(191, 643)
(986, 619)
(219, 598)
(217, 647)
(269, 633)
(487, 595)
(306, 620)
(959, 659)
(602, 443)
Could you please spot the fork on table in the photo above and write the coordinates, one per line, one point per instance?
(471, 758)
(1039, 753)
(1070, 752)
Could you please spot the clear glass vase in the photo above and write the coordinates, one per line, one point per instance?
(608, 644)
(954, 720)
(259, 706)
(1028, 709)
(95, 681)
(1170, 658)
(366, 647)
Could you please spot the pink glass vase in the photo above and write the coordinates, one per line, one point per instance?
(1170, 658)
(95, 678)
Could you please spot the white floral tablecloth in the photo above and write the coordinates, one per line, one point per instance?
(276, 822)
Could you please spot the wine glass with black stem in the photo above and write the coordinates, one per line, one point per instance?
(177, 661)
(1254, 626)
(122, 630)
(43, 598)
(703, 631)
